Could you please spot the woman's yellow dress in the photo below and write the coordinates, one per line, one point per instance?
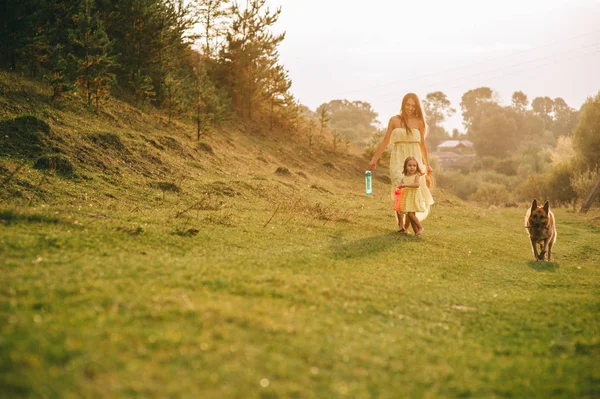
(406, 143)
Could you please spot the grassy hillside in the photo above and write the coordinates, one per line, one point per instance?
(136, 261)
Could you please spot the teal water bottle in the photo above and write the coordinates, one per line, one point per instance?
(368, 182)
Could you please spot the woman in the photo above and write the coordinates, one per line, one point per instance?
(406, 132)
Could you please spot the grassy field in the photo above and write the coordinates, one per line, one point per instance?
(160, 267)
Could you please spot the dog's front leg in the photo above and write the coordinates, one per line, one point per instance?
(534, 249)
(548, 247)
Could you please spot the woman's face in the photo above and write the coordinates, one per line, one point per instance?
(411, 167)
(410, 106)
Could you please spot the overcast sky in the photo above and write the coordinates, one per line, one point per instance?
(378, 50)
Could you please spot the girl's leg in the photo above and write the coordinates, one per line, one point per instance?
(412, 222)
(401, 222)
(406, 223)
(416, 225)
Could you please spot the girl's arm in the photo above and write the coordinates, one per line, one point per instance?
(414, 184)
(423, 146)
(382, 146)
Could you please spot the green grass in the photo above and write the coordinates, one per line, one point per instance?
(165, 270)
(110, 307)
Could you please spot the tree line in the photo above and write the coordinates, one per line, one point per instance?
(543, 148)
(214, 60)
(143, 51)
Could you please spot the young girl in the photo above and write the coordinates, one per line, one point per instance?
(412, 198)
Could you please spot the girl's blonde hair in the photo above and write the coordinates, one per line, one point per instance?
(418, 111)
(419, 171)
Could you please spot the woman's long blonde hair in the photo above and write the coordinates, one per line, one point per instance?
(418, 111)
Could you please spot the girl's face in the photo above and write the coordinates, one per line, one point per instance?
(411, 167)
(410, 107)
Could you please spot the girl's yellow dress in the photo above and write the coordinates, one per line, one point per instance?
(405, 144)
(412, 199)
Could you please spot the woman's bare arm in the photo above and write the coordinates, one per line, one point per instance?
(382, 146)
(423, 145)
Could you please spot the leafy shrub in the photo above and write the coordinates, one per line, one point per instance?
(524, 170)
(506, 166)
(535, 186)
(460, 185)
(491, 176)
(559, 184)
(491, 194)
(55, 163)
(583, 182)
(107, 141)
(465, 165)
(165, 186)
(464, 186)
(206, 147)
(23, 136)
(563, 152)
(282, 171)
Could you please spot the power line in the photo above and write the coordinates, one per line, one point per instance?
(444, 81)
(545, 64)
(412, 79)
(516, 71)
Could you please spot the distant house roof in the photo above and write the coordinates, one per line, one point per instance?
(455, 144)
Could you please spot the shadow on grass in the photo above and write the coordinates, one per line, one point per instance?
(9, 217)
(24, 137)
(543, 266)
(367, 246)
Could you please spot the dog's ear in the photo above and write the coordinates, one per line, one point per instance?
(546, 206)
(534, 205)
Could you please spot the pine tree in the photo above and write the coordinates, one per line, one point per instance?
(18, 21)
(324, 117)
(250, 54)
(212, 16)
(58, 75)
(93, 59)
(277, 84)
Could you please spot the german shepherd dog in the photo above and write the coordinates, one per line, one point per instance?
(539, 222)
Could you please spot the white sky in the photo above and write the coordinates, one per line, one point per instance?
(378, 50)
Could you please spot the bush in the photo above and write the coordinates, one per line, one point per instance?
(55, 163)
(586, 137)
(476, 165)
(535, 186)
(206, 147)
(23, 137)
(491, 176)
(465, 164)
(506, 166)
(559, 184)
(165, 186)
(491, 194)
(460, 185)
(108, 141)
(583, 182)
(282, 171)
(554, 185)
(524, 170)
